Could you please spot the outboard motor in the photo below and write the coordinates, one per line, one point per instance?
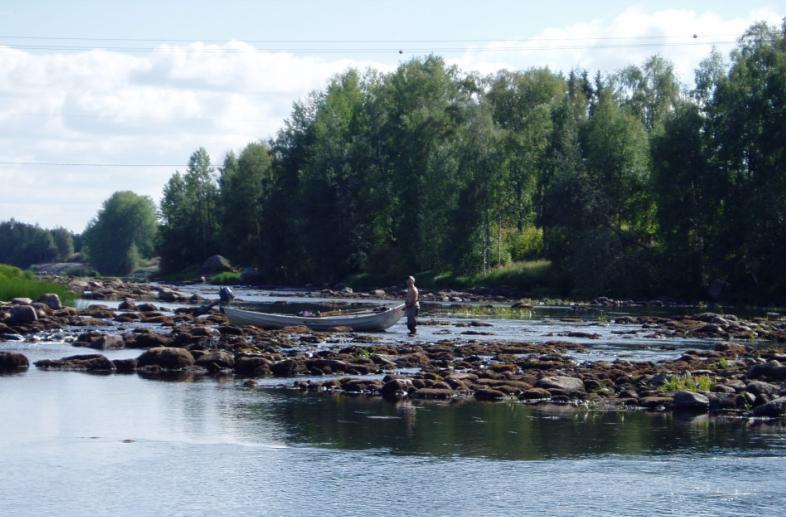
(226, 295)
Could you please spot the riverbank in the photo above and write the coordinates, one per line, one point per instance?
(741, 374)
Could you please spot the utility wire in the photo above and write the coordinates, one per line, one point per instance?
(67, 164)
(359, 50)
(448, 40)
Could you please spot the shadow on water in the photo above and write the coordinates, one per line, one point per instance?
(503, 431)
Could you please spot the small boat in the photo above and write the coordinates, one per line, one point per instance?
(366, 321)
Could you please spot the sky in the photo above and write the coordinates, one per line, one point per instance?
(124, 92)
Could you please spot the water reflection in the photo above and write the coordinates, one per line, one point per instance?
(505, 431)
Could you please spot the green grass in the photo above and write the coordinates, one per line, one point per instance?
(15, 283)
(688, 383)
(226, 278)
(536, 276)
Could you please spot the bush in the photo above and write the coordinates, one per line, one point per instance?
(526, 244)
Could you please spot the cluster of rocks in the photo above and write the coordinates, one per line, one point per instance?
(709, 325)
(740, 379)
(118, 289)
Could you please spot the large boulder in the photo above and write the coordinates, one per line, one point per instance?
(23, 314)
(51, 300)
(168, 358)
(690, 401)
(568, 385)
(13, 362)
(87, 362)
(215, 265)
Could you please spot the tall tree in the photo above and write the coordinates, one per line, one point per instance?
(123, 231)
(244, 184)
(189, 215)
(747, 124)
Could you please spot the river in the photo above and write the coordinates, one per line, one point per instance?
(79, 444)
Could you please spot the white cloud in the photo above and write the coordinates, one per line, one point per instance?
(109, 107)
(636, 35)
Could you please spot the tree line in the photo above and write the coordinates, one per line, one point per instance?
(23, 244)
(629, 183)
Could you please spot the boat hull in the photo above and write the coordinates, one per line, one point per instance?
(376, 321)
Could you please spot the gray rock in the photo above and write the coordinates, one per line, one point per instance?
(770, 370)
(773, 408)
(51, 300)
(21, 301)
(87, 362)
(215, 265)
(761, 387)
(168, 358)
(23, 314)
(568, 385)
(13, 361)
(689, 400)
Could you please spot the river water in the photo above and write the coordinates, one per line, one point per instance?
(79, 444)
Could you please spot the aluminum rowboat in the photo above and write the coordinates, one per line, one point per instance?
(368, 321)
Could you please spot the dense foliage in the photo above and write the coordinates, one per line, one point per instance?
(25, 244)
(123, 232)
(628, 183)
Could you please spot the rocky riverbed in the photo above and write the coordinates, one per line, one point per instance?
(742, 374)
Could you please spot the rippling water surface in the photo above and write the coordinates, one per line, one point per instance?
(79, 444)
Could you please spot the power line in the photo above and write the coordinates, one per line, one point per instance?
(329, 41)
(68, 164)
(361, 50)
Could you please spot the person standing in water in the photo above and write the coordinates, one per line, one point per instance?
(412, 305)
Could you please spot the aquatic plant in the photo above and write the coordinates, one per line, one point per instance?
(688, 382)
(363, 353)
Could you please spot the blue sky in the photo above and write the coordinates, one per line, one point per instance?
(299, 19)
(179, 75)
